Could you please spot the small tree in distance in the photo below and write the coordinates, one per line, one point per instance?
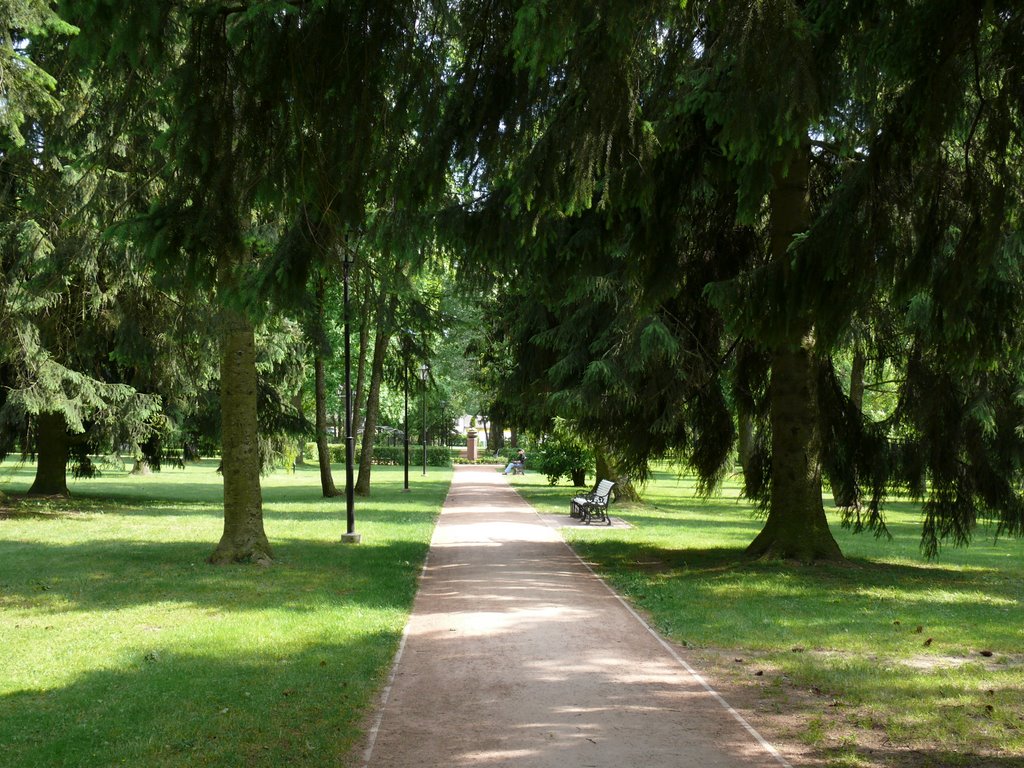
(563, 453)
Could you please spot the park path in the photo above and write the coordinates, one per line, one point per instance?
(517, 655)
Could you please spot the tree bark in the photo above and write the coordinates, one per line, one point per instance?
(300, 459)
(796, 527)
(243, 540)
(323, 450)
(746, 449)
(606, 470)
(846, 490)
(496, 436)
(380, 349)
(51, 456)
(358, 413)
(142, 467)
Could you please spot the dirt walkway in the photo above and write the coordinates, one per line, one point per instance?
(517, 655)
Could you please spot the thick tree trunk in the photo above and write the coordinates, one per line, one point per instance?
(846, 490)
(243, 540)
(796, 527)
(496, 437)
(300, 459)
(51, 456)
(323, 450)
(746, 449)
(358, 412)
(142, 468)
(380, 349)
(514, 437)
(606, 470)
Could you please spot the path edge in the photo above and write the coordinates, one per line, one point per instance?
(751, 730)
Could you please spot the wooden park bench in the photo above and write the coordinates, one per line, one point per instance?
(593, 505)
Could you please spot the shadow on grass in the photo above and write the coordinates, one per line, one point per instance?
(854, 574)
(387, 504)
(171, 707)
(117, 574)
(201, 484)
(920, 758)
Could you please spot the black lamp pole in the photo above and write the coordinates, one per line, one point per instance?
(424, 373)
(407, 424)
(350, 536)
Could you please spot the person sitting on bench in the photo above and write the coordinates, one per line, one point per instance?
(517, 463)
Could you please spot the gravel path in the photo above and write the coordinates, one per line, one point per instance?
(517, 655)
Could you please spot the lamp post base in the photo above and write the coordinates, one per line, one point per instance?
(351, 538)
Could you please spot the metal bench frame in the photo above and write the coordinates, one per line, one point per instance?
(593, 505)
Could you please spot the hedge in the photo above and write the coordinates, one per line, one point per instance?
(390, 455)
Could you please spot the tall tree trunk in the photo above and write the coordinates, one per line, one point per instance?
(358, 412)
(514, 437)
(142, 467)
(323, 450)
(51, 456)
(746, 449)
(496, 437)
(796, 526)
(243, 540)
(606, 470)
(846, 490)
(300, 459)
(380, 349)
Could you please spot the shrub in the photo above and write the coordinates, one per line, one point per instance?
(390, 455)
(563, 454)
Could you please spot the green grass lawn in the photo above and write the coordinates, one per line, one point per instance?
(882, 657)
(121, 646)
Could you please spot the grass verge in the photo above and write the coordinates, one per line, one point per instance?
(888, 660)
(122, 647)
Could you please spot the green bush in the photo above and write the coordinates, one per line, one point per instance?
(390, 455)
(563, 454)
(394, 455)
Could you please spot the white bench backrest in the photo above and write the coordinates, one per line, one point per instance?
(604, 488)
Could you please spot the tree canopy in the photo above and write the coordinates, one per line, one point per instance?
(690, 228)
(700, 203)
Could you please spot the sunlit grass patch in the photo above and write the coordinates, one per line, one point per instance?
(928, 653)
(121, 646)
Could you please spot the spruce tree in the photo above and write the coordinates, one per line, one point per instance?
(279, 115)
(674, 184)
(70, 296)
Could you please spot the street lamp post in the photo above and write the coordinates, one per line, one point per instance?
(406, 363)
(350, 536)
(424, 373)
